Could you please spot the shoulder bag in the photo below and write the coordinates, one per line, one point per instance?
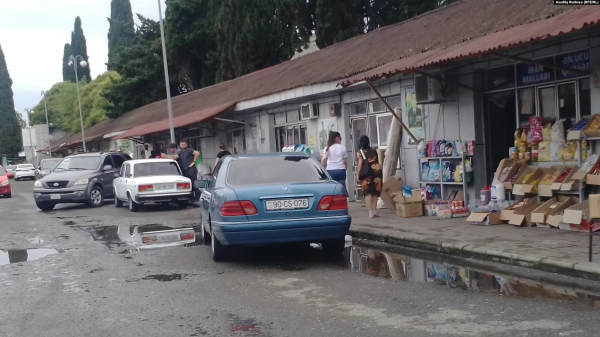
(364, 169)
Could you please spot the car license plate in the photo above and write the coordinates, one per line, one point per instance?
(164, 187)
(168, 238)
(54, 196)
(285, 204)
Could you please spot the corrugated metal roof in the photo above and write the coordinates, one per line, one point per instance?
(178, 122)
(512, 37)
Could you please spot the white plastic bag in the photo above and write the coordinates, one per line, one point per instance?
(380, 204)
(558, 131)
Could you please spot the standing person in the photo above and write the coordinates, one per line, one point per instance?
(222, 153)
(372, 184)
(186, 158)
(335, 158)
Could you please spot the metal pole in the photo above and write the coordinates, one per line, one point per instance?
(164, 51)
(79, 101)
(29, 131)
(47, 124)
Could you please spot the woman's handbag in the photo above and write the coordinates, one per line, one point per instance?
(364, 169)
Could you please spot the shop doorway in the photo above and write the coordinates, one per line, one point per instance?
(500, 124)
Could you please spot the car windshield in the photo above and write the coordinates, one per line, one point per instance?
(24, 167)
(2, 172)
(79, 163)
(274, 170)
(11, 167)
(156, 169)
(50, 164)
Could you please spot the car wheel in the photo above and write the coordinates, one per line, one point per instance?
(96, 198)
(205, 236)
(118, 202)
(9, 195)
(220, 253)
(45, 206)
(17, 179)
(334, 247)
(182, 203)
(133, 206)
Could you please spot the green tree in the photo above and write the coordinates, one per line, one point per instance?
(338, 20)
(67, 70)
(21, 120)
(122, 28)
(93, 105)
(79, 47)
(142, 74)
(381, 13)
(61, 99)
(11, 141)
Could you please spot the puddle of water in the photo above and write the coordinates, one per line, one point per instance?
(399, 267)
(164, 277)
(24, 255)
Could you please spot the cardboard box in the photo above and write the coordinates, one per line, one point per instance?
(592, 179)
(522, 216)
(570, 184)
(555, 218)
(582, 175)
(594, 206)
(576, 134)
(507, 213)
(484, 218)
(515, 167)
(544, 216)
(578, 218)
(391, 186)
(408, 207)
(587, 131)
(546, 189)
(529, 186)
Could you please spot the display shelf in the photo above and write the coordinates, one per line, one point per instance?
(441, 182)
(444, 186)
(448, 157)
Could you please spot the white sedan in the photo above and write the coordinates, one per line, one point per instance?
(151, 180)
(25, 171)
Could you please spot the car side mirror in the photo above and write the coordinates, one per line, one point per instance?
(107, 167)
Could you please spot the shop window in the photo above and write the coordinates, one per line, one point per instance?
(585, 105)
(239, 141)
(358, 109)
(290, 135)
(499, 78)
(385, 124)
(567, 101)
(373, 131)
(293, 116)
(526, 105)
(547, 102)
(377, 106)
(395, 102)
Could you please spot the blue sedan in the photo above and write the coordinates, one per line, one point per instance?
(272, 198)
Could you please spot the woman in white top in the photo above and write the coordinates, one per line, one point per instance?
(335, 158)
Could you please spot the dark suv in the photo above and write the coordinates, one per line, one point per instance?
(81, 178)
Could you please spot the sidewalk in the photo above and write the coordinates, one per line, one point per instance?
(545, 249)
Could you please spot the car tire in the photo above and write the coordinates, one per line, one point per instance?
(118, 202)
(17, 179)
(334, 247)
(205, 235)
(133, 206)
(45, 206)
(220, 253)
(182, 203)
(96, 198)
(9, 195)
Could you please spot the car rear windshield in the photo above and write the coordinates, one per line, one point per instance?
(273, 170)
(79, 163)
(155, 169)
(50, 164)
(24, 167)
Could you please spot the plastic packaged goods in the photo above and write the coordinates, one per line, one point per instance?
(435, 173)
(422, 149)
(549, 178)
(589, 163)
(448, 171)
(558, 131)
(569, 151)
(547, 132)
(535, 125)
(485, 194)
(544, 152)
(500, 192)
(526, 178)
(564, 175)
(425, 168)
(594, 124)
(580, 125)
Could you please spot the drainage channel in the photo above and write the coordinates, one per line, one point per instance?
(449, 272)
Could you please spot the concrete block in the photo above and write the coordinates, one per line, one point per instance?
(587, 267)
(557, 263)
(451, 245)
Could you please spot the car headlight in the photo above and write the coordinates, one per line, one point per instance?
(37, 184)
(5, 183)
(82, 182)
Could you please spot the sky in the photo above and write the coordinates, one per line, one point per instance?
(33, 34)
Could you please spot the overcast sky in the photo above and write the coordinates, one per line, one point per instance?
(33, 34)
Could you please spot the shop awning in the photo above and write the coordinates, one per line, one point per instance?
(178, 122)
(528, 33)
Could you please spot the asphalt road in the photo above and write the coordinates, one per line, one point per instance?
(94, 287)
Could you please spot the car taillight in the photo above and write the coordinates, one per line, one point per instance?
(183, 186)
(145, 188)
(148, 239)
(333, 203)
(238, 208)
(187, 236)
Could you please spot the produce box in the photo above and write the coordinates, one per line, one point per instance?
(592, 129)
(408, 207)
(390, 187)
(578, 218)
(522, 215)
(594, 206)
(576, 132)
(547, 214)
(528, 180)
(484, 218)
(569, 184)
(587, 167)
(508, 212)
(545, 183)
(509, 169)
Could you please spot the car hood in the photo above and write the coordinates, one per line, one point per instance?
(68, 175)
(3, 178)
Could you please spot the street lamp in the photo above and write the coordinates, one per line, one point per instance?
(47, 124)
(164, 51)
(83, 64)
(27, 112)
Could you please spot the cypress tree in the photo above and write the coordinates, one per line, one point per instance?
(338, 20)
(79, 47)
(121, 32)
(67, 70)
(10, 130)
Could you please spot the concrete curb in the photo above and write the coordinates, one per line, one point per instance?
(585, 270)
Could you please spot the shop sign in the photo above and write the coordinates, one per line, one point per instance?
(528, 74)
(577, 60)
(280, 118)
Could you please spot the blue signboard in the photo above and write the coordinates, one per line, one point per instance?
(529, 74)
(577, 60)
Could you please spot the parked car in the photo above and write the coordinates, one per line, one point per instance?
(81, 178)
(272, 198)
(155, 236)
(5, 189)
(46, 166)
(25, 171)
(151, 180)
(10, 170)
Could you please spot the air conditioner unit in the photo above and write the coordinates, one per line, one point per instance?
(428, 90)
(309, 111)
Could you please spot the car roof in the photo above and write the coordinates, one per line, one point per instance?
(143, 161)
(94, 154)
(24, 165)
(48, 159)
(267, 155)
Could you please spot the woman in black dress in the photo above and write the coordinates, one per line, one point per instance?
(372, 184)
